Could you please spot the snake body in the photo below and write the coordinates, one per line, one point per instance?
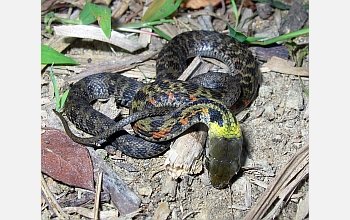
(165, 108)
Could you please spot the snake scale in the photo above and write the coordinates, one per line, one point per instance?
(166, 107)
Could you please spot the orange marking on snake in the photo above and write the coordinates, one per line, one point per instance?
(192, 97)
(171, 96)
(137, 127)
(152, 101)
(184, 121)
(162, 133)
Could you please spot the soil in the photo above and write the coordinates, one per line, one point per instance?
(275, 127)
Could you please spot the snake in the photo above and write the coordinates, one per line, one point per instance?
(167, 107)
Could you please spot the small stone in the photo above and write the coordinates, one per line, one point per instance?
(55, 187)
(162, 212)
(280, 111)
(294, 98)
(264, 10)
(102, 152)
(295, 19)
(259, 111)
(269, 112)
(265, 91)
(145, 191)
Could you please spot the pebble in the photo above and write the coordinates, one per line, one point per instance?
(145, 190)
(102, 152)
(265, 91)
(269, 112)
(294, 98)
(264, 10)
(259, 111)
(280, 111)
(162, 212)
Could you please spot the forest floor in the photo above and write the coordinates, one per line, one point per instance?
(275, 128)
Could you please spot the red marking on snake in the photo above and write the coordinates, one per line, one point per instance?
(246, 102)
(233, 107)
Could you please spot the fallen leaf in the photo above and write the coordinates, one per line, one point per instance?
(196, 4)
(283, 66)
(65, 160)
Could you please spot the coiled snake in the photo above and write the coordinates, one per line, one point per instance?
(165, 108)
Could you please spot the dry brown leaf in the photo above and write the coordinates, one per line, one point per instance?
(196, 4)
(65, 160)
(284, 66)
(46, 4)
(247, 4)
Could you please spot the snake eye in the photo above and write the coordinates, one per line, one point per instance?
(224, 160)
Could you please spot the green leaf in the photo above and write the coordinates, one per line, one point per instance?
(55, 89)
(63, 100)
(283, 37)
(87, 14)
(280, 5)
(101, 14)
(49, 55)
(161, 33)
(252, 39)
(237, 35)
(135, 25)
(104, 20)
(59, 100)
(159, 9)
(235, 12)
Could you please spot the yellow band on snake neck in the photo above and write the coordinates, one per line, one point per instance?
(228, 130)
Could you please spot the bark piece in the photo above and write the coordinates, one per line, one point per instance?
(96, 33)
(122, 196)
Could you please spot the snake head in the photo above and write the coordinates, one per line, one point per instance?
(223, 160)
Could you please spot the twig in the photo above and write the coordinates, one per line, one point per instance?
(97, 196)
(52, 201)
(134, 14)
(122, 196)
(191, 68)
(283, 184)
